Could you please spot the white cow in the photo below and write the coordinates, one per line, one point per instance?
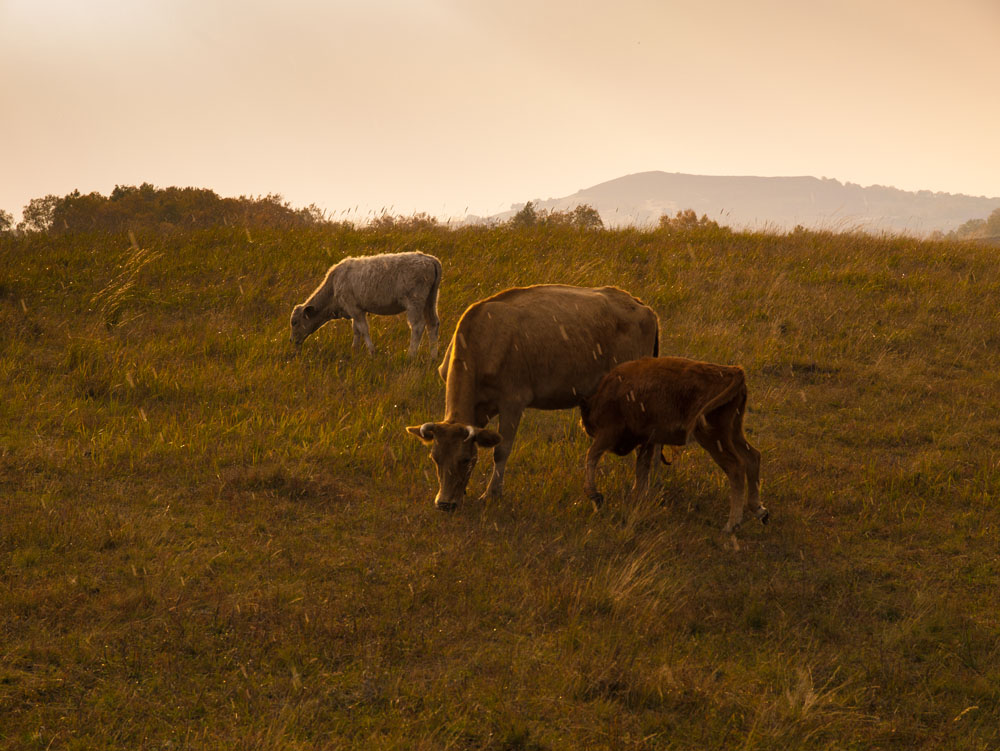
(384, 284)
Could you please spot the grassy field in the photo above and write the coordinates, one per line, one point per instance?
(210, 542)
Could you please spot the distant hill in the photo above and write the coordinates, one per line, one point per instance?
(773, 202)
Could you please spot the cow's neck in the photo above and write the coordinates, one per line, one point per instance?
(460, 393)
(324, 294)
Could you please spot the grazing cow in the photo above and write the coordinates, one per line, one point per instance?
(665, 401)
(547, 347)
(385, 285)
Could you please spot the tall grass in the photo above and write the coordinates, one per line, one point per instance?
(210, 541)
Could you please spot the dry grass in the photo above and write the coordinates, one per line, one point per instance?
(209, 542)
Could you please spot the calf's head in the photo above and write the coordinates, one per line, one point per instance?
(306, 318)
(454, 451)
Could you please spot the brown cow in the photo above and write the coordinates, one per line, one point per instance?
(665, 401)
(547, 347)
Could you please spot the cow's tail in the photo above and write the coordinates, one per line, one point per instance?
(735, 390)
(656, 338)
(430, 306)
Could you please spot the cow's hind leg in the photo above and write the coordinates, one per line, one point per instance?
(415, 318)
(433, 325)
(751, 461)
(510, 418)
(718, 443)
(643, 463)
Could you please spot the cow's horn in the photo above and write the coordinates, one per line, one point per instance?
(426, 430)
(472, 432)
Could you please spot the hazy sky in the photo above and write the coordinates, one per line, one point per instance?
(440, 105)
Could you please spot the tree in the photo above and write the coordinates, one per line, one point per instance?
(526, 217)
(6, 221)
(687, 220)
(161, 209)
(586, 217)
(37, 215)
(978, 229)
(993, 225)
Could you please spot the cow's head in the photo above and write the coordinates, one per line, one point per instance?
(303, 322)
(454, 451)
(306, 318)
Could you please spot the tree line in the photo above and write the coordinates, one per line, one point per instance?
(146, 206)
(987, 230)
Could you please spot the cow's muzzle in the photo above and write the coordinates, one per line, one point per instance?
(443, 504)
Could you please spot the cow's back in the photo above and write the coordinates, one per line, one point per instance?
(548, 346)
(663, 395)
(381, 283)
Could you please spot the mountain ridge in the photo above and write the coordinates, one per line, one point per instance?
(772, 203)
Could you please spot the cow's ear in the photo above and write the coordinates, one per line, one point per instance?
(309, 311)
(487, 439)
(424, 432)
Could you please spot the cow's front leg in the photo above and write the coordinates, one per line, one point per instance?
(509, 420)
(361, 332)
(594, 454)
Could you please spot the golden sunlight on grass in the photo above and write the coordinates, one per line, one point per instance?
(210, 540)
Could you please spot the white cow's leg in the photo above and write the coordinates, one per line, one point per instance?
(433, 324)
(415, 318)
(361, 332)
(509, 420)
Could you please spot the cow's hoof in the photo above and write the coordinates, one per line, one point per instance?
(596, 500)
(764, 515)
(445, 506)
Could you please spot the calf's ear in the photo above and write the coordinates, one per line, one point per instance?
(424, 432)
(487, 439)
(309, 311)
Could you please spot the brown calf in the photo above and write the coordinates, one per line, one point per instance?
(666, 400)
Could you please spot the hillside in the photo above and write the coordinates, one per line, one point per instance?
(774, 202)
(211, 541)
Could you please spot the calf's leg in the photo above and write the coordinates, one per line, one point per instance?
(643, 463)
(719, 445)
(751, 462)
(602, 443)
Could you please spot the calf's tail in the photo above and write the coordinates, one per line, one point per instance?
(735, 390)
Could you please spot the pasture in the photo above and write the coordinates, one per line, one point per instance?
(208, 541)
